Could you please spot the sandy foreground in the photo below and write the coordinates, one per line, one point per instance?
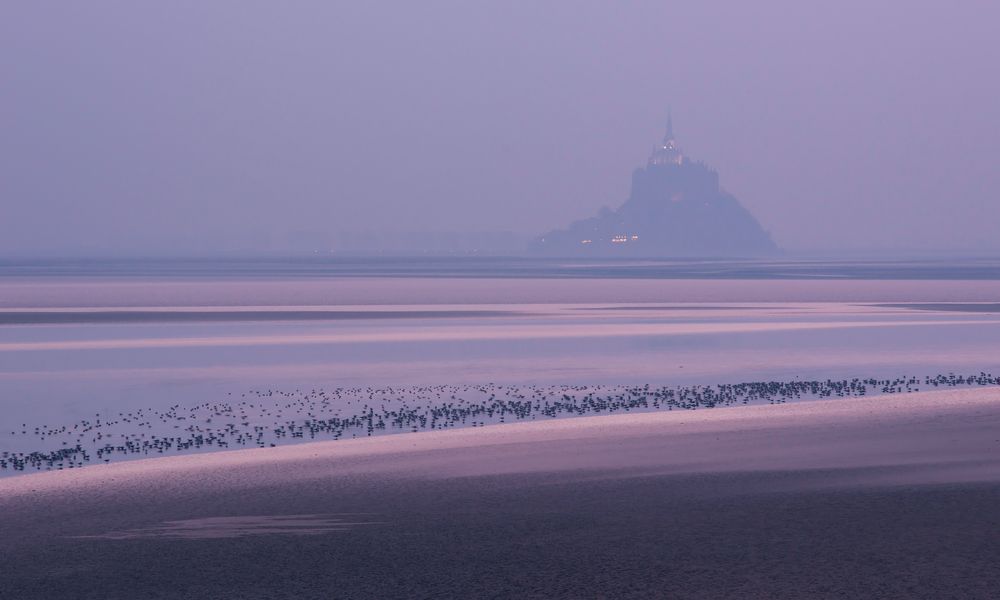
(925, 437)
(895, 496)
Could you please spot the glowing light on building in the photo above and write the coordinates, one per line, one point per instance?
(667, 153)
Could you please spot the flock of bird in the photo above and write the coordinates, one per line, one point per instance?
(263, 418)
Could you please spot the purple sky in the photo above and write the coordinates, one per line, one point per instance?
(194, 126)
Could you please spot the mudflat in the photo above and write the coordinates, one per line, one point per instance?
(890, 496)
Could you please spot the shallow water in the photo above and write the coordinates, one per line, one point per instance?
(81, 344)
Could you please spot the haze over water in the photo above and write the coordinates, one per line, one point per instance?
(387, 300)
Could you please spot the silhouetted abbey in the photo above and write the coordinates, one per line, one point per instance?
(676, 208)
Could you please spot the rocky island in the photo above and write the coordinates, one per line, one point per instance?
(676, 208)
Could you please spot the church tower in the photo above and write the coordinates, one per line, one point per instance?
(667, 153)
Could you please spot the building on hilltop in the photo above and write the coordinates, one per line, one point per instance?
(676, 208)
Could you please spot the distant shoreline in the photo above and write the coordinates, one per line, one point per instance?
(508, 267)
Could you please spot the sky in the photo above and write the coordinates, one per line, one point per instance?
(141, 128)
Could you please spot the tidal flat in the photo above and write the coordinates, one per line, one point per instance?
(480, 434)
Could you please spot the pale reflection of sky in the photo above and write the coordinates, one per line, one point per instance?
(360, 291)
(63, 372)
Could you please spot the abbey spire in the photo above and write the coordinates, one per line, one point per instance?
(667, 153)
(670, 128)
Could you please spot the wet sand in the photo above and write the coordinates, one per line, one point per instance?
(873, 497)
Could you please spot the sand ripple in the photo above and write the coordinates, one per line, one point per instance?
(242, 526)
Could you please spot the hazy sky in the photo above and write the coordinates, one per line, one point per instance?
(190, 126)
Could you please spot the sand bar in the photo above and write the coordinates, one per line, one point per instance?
(932, 437)
(888, 497)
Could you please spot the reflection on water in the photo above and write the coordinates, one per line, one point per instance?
(179, 315)
(959, 268)
(82, 342)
